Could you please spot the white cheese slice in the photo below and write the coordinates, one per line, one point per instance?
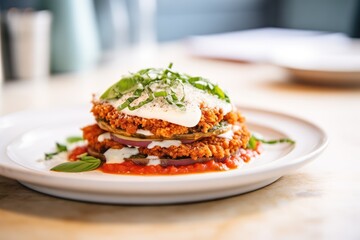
(118, 155)
(103, 136)
(144, 132)
(160, 109)
(153, 160)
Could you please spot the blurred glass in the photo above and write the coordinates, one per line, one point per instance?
(147, 16)
(146, 42)
(2, 72)
(113, 25)
(29, 34)
(75, 41)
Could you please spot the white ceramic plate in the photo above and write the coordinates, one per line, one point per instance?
(330, 77)
(336, 65)
(309, 56)
(25, 136)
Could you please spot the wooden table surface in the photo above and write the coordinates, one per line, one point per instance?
(318, 201)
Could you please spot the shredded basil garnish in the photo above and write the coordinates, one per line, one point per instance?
(63, 148)
(253, 141)
(59, 148)
(74, 139)
(157, 82)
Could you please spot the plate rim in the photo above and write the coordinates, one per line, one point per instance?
(16, 171)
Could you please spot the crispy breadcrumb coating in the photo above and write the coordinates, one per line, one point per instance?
(210, 117)
(210, 147)
(116, 119)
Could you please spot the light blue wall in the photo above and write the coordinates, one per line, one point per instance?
(181, 18)
(327, 15)
(176, 19)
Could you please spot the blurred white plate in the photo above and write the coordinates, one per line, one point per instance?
(310, 56)
(321, 77)
(23, 143)
(329, 64)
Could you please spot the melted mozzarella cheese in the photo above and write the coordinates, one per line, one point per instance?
(144, 132)
(153, 160)
(159, 108)
(104, 136)
(228, 135)
(119, 155)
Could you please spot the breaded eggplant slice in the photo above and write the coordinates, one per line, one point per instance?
(114, 119)
(215, 147)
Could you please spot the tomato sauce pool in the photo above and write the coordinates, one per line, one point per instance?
(130, 168)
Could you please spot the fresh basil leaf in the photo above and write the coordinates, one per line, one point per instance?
(160, 94)
(110, 93)
(76, 166)
(125, 85)
(89, 159)
(199, 86)
(275, 141)
(219, 92)
(127, 103)
(148, 100)
(253, 141)
(85, 163)
(59, 148)
(49, 156)
(74, 139)
(81, 155)
(140, 83)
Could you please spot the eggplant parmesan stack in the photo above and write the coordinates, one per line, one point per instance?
(158, 121)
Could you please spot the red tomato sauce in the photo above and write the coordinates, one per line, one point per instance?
(72, 156)
(128, 167)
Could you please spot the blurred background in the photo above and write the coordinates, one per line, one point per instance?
(42, 37)
(300, 57)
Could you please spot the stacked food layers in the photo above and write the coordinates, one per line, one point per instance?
(159, 121)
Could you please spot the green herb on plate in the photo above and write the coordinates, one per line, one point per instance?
(59, 148)
(85, 163)
(156, 82)
(74, 139)
(254, 140)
